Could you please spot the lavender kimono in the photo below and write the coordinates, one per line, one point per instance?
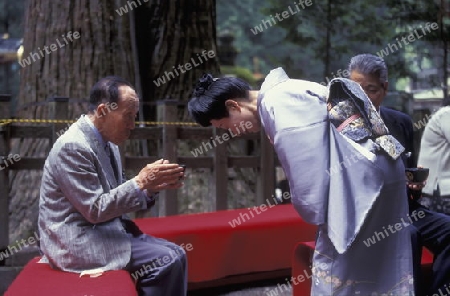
(348, 182)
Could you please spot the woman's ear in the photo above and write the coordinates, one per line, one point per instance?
(232, 105)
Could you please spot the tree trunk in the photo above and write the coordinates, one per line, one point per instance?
(187, 36)
(103, 47)
(63, 66)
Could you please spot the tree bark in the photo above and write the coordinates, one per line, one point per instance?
(188, 31)
(103, 47)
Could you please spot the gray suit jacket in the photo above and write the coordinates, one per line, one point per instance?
(81, 204)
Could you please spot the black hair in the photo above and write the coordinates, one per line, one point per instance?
(106, 90)
(209, 96)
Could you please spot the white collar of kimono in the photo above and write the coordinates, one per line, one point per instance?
(275, 77)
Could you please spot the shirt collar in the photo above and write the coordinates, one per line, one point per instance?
(96, 131)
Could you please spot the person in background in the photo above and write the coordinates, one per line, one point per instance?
(371, 73)
(435, 155)
(84, 199)
(433, 229)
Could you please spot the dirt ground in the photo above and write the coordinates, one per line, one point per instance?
(267, 288)
(266, 291)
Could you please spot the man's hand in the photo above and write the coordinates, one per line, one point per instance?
(160, 175)
(417, 186)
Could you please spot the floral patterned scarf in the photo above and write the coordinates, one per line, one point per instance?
(353, 114)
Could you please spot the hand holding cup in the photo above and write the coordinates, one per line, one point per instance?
(160, 175)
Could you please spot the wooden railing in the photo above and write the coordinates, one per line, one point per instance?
(166, 135)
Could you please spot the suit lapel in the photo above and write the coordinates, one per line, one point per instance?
(394, 126)
(98, 148)
(116, 155)
(389, 120)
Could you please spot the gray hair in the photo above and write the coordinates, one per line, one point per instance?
(369, 64)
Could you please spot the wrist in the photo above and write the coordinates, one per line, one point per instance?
(139, 183)
(151, 194)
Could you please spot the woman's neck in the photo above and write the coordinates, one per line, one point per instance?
(253, 100)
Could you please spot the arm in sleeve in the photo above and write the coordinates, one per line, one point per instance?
(78, 174)
(445, 125)
(150, 198)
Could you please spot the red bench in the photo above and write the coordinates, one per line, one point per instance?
(39, 279)
(301, 265)
(258, 247)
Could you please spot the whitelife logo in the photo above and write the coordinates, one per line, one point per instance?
(411, 38)
(169, 75)
(37, 55)
(225, 137)
(271, 21)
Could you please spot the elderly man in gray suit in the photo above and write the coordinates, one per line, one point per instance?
(84, 199)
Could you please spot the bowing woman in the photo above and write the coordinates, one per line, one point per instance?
(343, 169)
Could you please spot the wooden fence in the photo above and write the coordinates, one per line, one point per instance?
(166, 134)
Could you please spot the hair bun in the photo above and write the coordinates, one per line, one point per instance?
(203, 84)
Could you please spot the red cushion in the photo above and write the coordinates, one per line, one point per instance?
(263, 241)
(41, 279)
(301, 268)
(427, 256)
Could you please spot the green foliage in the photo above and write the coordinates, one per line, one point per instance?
(335, 31)
(269, 47)
(316, 41)
(427, 22)
(299, 42)
(239, 72)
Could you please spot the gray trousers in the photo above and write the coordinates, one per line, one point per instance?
(158, 266)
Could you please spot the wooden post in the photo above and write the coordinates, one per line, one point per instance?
(266, 179)
(4, 178)
(220, 171)
(59, 110)
(167, 112)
